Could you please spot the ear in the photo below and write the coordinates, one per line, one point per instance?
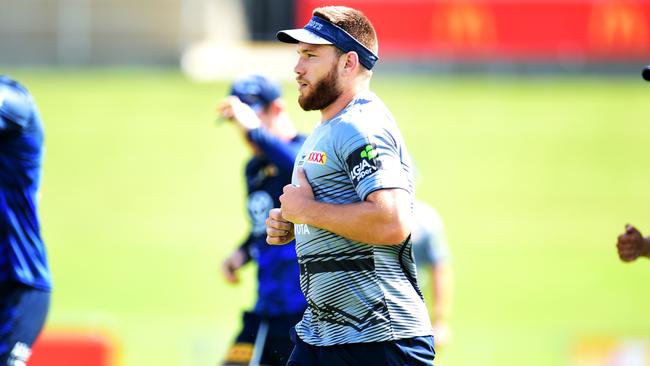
(351, 62)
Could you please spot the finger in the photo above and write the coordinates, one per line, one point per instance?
(224, 104)
(228, 273)
(231, 278)
(277, 240)
(276, 220)
(288, 188)
(631, 230)
(226, 113)
(623, 245)
(281, 225)
(302, 177)
(273, 232)
(624, 239)
(275, 214)
(625, 252)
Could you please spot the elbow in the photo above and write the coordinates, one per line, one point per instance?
(396, 233)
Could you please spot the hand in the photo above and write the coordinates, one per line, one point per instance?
(278, 230)
(630, 244)
(441, 334)
(232, 264)
(296, 197)
(235, 110)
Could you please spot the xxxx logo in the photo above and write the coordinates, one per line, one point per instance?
(317, 157)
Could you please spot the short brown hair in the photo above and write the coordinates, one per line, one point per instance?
(352, 21)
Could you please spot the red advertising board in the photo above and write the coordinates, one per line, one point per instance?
(596, 30)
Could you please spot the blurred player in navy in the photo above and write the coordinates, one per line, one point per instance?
(632, 245)
(431, 252)
(255, 106)
(24, 274)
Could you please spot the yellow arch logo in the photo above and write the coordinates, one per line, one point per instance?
(466, 25)
(618, 25)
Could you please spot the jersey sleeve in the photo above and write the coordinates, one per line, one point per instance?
(281, 153)
(246, 247)
(15, 106)
(372, 159)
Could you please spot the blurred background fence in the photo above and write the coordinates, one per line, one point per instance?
(579, 33)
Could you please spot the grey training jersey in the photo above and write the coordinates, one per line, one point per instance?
(356, 292)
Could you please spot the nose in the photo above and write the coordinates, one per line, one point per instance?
(299, 69)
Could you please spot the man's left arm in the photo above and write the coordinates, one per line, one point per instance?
(383, 218)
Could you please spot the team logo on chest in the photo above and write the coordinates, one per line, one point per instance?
(317, 157)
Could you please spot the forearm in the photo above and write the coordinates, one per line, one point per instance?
(281, 153)
(366, 222)
(441, 278)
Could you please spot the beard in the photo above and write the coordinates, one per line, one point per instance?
(325, 92)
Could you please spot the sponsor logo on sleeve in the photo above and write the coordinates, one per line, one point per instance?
(363, 162)
(317, 157)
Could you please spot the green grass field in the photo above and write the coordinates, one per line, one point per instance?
(534, 177)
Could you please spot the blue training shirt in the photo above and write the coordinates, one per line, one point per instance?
(22, 252)
(278, 275)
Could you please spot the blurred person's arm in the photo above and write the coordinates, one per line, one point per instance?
(281, 153)
(442, 288)
(632, 245)
(242, 115)
(277, 150)
(431, 250)
(237, 259)
(233, 109)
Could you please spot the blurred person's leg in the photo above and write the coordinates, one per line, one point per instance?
(241, 351)
(277, 345)
(23, 312)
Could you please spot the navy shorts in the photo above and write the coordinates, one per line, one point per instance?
(277, 345)
(23, 310)
(417, 351)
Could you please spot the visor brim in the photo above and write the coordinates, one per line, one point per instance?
(300, 35)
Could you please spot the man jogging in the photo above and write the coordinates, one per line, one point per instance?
(350, 207)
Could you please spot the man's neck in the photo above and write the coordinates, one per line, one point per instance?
(342, 101)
